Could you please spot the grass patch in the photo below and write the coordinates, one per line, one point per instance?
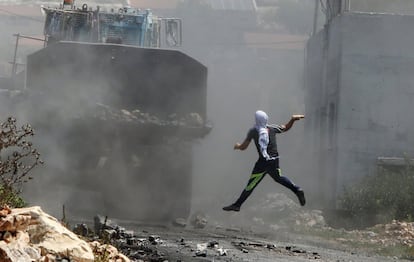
(355, 241)
(381, 197)
(400, 251)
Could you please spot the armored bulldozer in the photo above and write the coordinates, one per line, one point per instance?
(126, 105)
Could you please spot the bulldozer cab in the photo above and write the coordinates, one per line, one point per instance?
(128, 26)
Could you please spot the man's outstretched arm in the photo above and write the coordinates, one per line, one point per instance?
(292, 120)
(242, 146)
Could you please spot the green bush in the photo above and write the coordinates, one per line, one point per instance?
(384, 196)
(9, 196)
(17, 159)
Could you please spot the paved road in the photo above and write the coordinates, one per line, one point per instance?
(181, 244)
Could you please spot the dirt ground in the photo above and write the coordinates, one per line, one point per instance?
(277, 231)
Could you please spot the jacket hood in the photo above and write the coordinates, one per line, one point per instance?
(261, 119)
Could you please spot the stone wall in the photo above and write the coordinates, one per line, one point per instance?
(359, 84)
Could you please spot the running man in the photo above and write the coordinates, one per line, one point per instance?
(264, 137)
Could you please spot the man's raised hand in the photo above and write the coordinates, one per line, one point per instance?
(297, 117)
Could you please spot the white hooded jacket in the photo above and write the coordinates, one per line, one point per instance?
(261, 127)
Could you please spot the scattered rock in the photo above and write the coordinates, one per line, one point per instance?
(155, 240)
(201, 253)
(233, 229)
(286, 211)
(198, 220)
(109, 252)
(81, 230)
(222, 252)
(213, 244)
(5, 211)
(179, 222)
(201, 247)
(393, 233)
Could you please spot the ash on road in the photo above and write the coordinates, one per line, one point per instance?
(231, 244)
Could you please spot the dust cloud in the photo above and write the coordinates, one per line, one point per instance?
(244, 74)
(244, 77)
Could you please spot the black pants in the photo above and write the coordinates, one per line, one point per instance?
(261, 168)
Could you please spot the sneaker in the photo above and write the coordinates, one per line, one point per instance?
(301, 196)
(232, 207)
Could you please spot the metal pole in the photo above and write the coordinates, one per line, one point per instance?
(30, 37)
(315, 17)
(348, 5)
(14, 68)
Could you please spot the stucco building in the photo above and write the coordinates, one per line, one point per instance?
(359, 82)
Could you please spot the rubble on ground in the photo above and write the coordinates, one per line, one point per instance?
(210, 248)
(29, 234)
(287, 213)
(147, 246)
(279, 208)
(397, 231)
(394, 233)
(198, 220)
(246, 247)
(108, 252)
(179, 222)
(132, 246)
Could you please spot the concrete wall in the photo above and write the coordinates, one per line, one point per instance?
(376, 92)
(323, 61)
(360, 86)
